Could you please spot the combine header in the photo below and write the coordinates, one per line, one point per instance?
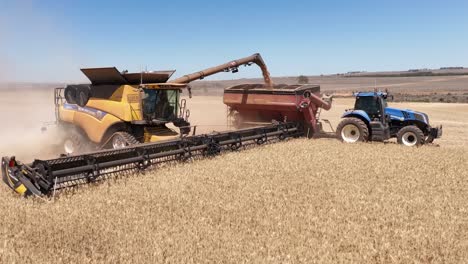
(260, 113)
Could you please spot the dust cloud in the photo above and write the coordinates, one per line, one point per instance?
(34, 48)
(23, 113)
(208, 113)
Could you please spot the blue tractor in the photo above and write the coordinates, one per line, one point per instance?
(372, 120)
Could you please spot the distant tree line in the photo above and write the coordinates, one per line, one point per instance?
(302, 79)
(408, 74)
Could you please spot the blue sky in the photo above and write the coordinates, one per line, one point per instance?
(50, 40)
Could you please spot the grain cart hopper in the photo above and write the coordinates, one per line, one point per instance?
(263, 113)
(260, 104)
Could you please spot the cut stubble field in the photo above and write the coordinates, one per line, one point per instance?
(295, 201)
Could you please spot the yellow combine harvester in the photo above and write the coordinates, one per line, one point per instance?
(120, 109)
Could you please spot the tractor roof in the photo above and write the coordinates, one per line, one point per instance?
(110, 75)
(364, 94)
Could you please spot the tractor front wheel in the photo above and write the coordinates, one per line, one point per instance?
(352, 130)
(410, 136)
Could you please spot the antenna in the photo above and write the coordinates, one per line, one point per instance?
(141, 75)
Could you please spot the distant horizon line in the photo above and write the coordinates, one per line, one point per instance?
(356, 73)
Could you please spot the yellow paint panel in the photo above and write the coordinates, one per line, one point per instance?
(155, 138)
(66, 114)
(94, 128)
(21, 189)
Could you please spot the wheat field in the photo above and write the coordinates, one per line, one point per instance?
(299, 201)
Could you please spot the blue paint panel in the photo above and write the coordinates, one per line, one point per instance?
(365, 94)
(359, 113)
(405, 115)
(98, 114)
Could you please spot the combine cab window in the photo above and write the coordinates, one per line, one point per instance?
(160, 104)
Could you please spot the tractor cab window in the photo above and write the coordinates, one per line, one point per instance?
(160, 104)
(369, 104)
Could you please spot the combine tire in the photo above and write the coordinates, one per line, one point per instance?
(77, 95)
(410, 136)
(122, 140)
(82, 95)
(352, 130)
(74, 143)
(70, 94)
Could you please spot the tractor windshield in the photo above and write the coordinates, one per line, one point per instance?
(369, 104)
(160, 104)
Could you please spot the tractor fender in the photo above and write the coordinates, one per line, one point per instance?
(420, 124)
(358, 114)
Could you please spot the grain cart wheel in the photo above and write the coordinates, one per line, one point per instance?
(410, 136)
(122, 140)
(352, 130)
(74, 143)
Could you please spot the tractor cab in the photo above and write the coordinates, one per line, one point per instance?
(373, 104)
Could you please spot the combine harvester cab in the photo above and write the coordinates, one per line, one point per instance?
(261, 113)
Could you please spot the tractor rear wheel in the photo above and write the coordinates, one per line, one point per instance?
(410, 136)
(122, 140)
(352, 130)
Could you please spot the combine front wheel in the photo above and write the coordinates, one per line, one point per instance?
(74, 143)
(352, 130)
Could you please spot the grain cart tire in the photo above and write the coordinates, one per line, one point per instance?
(352, 130)
(74, 143)
(410, 136)
(122, 140)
